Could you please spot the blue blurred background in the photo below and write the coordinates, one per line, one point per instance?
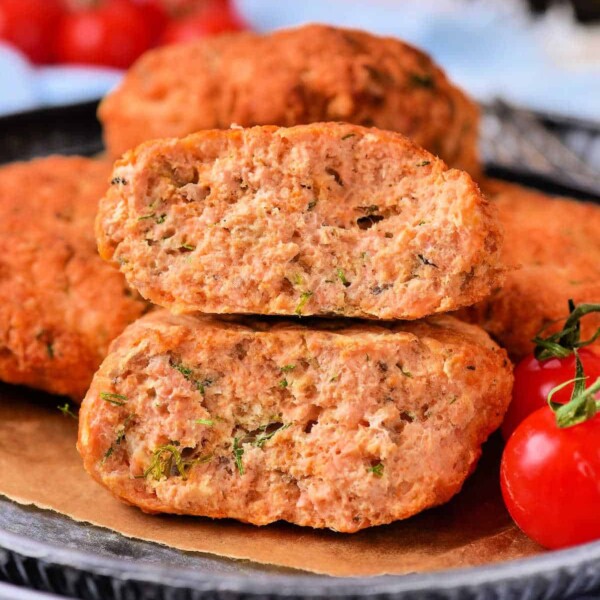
(493, 48)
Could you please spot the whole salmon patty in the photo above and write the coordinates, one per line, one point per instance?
(553, 254)
(60, 303)
(290, 77)
(316, 219)
(334, 424)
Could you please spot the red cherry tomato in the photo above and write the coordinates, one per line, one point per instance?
(115, 34)
(550, 480)
(154, 13)
(217, 16)
(30, 25)
(534, 379)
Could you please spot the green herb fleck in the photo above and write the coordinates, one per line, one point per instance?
(238, 453)
(161, 219)
(165, 457)
(424, 163)
(404, 372)
(265, 436)
(377, 470)
(298, 279)
(207, 422)
(283, 383)
(150, 216)
(50, 349)
(304, 298)
(453, 399)
(342, 277)
(421, 223)
(188, 374)
(188, 247)
(312, 204)
(348, 136)
(287, 368)
(116, 399)
(65, 409)
(334, 378)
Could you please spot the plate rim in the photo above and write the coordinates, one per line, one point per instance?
(570, 561)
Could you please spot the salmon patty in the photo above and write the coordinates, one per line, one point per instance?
(291, 77)
(60, 303)
(334, 424)
(554, 247)
(316, 219)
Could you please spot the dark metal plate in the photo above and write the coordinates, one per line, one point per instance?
(47, 551)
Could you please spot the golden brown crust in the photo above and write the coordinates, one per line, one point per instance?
(312, 73)
(322, 219)
(365, 423)
(60, 305)
(554, 246)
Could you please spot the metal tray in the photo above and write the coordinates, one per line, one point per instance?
(46, 551)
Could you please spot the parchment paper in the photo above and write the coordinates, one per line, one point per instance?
(40, 466)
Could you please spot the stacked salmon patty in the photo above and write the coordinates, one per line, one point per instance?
(325, 423)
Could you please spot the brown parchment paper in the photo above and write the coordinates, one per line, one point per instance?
(40, 466)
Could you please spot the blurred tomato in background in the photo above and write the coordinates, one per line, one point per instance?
(30, 25)
(112, 33)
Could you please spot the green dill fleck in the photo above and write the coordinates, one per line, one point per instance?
(265, 436)
(187, 247)
(334, 378)
(421, 223)
(377, 470)
(165, 457)
(342, 277)
(348, 136)
(150, 216)
(188, 374)
(116, 399)
(287, 368)
(298, 279)
(238, 453)
(65, 409)
(424, 163)
(304, 298)
(453, 399)
(207, 422)
(424, 80)
(364, 255)
(404, 371)
(161, 219)
(50, 349)
(311, 205)
(283, 383)
(108, 454)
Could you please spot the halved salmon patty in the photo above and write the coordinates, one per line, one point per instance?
(333, 424)
(317, 219)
